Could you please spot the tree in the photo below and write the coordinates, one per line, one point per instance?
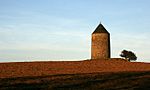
(128, 55)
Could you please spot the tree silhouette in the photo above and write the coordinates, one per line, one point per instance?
(128, 55)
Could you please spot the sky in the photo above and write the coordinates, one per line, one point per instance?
(60, 30)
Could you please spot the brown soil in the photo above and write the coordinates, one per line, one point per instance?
(21, 69)
(114, 74)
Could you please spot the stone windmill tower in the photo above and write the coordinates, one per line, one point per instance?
(100, 43)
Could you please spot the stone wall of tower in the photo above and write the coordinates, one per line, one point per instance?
(100, 46)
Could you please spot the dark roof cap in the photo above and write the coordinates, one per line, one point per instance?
(100, 29)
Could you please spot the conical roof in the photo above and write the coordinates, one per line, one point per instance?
(100, 29)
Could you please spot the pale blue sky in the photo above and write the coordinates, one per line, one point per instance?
(32, 30)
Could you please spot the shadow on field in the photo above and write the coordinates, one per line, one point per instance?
(91, 81)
